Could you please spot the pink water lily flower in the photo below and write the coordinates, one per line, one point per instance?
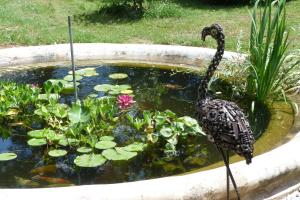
(125, 101)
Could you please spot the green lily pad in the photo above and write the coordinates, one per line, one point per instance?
(57, 153)
(114, 92)
(70, 77)
(7, 156)
(121, 87)
(85, 72)
(107, 138)
(68, 141)
(118, 154)
(136, 146)
(93, 95)
(84, 150)
(126, 92)
(52, 136)
(89, 160)
(91, 74)
(103, 87)
(105, 144)
(68, 88)
(37, 133)
(118, 76)
(45, 133)
(45, 97)
(37, 142)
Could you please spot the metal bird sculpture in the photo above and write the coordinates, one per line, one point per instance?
(223, 121)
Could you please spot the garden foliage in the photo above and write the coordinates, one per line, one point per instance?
(271, 73)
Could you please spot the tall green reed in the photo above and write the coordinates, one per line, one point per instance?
(268, 51)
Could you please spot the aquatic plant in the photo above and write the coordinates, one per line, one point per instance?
(93, 125)
(16, 98)
(268, 52)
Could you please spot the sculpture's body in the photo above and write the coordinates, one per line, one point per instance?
(224, 122)
(226, 126)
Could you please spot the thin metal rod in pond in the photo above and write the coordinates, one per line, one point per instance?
(72, 57)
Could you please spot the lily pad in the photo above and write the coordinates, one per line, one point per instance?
(118, 154)
(84, 150)
(103, 87)
(37, 133)
(69, 87)
(114, 92)
(45, 133)
(85, 72)
(136, 146)
(57, 153)
(7, 156)
(68, 141)
(106, 138)
(121, 87)
(91, 74)
(126, 92)
(52, 136)
(105, 144)
(118, 76)
(89, 160)
(70, 77)
(46, 97)
(93, 95)
(37, 142)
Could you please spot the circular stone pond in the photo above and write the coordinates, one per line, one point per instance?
(158, 78)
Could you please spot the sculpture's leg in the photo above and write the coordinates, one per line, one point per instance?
(227, 175)
(226, 161)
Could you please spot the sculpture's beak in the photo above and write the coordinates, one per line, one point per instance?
(204, 33)
(203, 36)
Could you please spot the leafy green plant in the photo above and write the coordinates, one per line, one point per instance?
(136, 4)
(268, 51)
(19, 97)
(166, 127)
(135, 121)
(78, 115)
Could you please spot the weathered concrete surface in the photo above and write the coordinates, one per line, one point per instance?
(133, 52)
(270, 171)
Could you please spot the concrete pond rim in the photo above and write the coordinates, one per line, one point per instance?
(269, 173)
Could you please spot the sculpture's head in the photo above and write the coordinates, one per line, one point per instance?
(214, 30)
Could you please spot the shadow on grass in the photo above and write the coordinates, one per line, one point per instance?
(212, 4)
(111, 14)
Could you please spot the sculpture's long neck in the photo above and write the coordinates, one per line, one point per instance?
(202, 90)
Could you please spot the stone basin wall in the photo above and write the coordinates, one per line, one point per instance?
(269, 172)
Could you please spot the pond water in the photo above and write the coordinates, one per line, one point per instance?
(153, 88)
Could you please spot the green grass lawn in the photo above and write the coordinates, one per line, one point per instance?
(35, 22)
